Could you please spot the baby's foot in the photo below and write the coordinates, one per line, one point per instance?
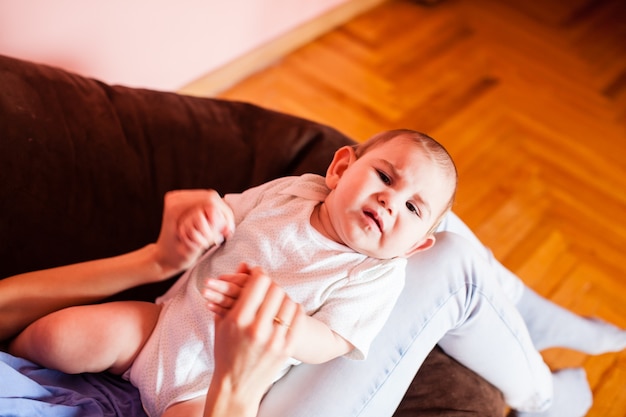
(572, 396)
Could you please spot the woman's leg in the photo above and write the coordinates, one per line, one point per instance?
(549, 325)
(450, 289)
(510, 283)
(91, 338)
(553, 326)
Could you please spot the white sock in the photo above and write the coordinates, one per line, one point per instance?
(572, 396)
(553, 326)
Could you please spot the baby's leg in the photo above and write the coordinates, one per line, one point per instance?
(549, 325)
(91, 338)
(189, 408)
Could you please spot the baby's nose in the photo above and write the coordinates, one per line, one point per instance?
(387, 201)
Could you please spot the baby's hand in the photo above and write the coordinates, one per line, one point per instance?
(222, 292)
(193, 221)
(204, 225)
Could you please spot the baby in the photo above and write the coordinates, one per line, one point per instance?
(337, 244)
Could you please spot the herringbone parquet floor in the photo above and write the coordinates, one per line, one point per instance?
(530, 99)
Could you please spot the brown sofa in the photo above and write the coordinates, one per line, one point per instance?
(84, 167)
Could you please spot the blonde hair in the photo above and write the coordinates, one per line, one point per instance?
(430, 146)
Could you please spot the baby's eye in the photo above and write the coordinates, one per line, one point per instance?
(384, 177)
(413, 208)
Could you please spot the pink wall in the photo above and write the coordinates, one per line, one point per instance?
(158, 44)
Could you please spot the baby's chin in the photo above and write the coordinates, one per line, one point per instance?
(374, 253)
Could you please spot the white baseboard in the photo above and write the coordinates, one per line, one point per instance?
(246, 65)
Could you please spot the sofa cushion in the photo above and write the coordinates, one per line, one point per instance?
(434, 392)
(85, 165)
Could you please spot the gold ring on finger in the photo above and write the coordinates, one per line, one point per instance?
(281, 322)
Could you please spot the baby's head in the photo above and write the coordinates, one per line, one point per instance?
(389, 194)
(437, 153)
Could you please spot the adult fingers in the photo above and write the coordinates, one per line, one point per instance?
(297, 321)
(284, 315)
(251, 297)
(269, 307)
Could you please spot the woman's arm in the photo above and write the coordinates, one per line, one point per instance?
(182, 240)
(26, 297)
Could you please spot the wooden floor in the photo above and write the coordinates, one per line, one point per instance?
(530, 99)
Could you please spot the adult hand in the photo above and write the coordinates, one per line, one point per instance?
(252, 342)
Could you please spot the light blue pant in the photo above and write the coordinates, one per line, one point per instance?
(456, 295)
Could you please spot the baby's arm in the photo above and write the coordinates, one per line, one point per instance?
(314, 343)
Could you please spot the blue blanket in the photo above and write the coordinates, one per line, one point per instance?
(29, 390)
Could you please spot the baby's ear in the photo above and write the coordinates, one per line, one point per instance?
(427, 243)
(344, 157)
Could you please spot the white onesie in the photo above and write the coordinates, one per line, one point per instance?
(350, 292)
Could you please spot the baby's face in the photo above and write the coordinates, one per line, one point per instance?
(386, 201)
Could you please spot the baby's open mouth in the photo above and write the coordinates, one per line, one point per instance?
(374, 217)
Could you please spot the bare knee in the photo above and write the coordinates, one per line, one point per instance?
(41, 341)
(91, 338)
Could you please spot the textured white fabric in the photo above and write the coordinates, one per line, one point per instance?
(351, 293)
